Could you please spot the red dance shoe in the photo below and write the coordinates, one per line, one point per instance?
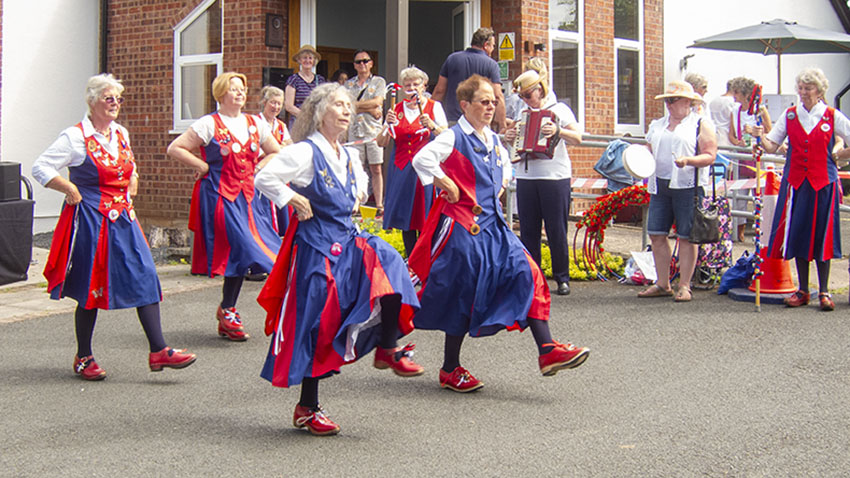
(88, 369)
(230, 324)
(460, 380)
(404, 366)
(826, 303)
(315, 421)
(797, 299)
(172, 358)
(561, 357)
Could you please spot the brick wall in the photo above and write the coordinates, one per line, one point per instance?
(140, 53)
(528, 20)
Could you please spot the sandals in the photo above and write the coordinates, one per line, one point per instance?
(655, 291)
(683, 294)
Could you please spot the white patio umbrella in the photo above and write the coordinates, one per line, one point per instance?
(777, 37)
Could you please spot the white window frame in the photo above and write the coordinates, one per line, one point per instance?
(578, 39)
(180, 125)
(638, 46)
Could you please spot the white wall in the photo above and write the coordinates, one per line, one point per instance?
(50, 49)
(685, 22)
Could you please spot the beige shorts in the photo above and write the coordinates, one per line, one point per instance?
(370, 153)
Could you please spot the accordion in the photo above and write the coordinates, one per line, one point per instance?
(530, 142)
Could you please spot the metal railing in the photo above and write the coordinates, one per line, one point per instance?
(733, 153)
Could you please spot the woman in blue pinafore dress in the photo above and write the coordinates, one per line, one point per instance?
(335, 293)
(229, 238)
(99, 255)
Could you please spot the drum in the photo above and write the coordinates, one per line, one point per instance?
(638, 161)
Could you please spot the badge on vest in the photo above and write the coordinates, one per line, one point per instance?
(254, 147)
(252, 129)
(791, 115)
(236, 148)
(825, 127)
(224, 151)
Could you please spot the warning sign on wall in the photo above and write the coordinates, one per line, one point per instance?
(506, 46)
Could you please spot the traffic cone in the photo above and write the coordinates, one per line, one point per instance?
(776, 277)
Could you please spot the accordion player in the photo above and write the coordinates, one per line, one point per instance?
(530, 141)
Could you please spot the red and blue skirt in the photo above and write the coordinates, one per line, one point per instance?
(323, 314)
(407, 201)
(478, 284)
(99, 263)
(230, 238)
(806, 224)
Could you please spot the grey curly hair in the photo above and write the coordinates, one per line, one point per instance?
(313, 110)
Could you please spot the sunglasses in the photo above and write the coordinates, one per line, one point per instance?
(672, 100)
(113, 99)
(527, 95)
(363, 61)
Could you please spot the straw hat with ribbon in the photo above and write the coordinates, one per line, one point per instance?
(529, 80)
(306, 49)
(680, 89)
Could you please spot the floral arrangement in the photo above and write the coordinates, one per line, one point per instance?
(594, 222)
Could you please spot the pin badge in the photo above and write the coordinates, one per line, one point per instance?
(252, 129)
(236, 148)
(791, 115)
(254, 147)
(132, 214)
(824, 127)
(224, 151)
(113, 214)
(336, 249)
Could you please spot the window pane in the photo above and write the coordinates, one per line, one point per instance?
(196, 91)
(628, 94)
(204, 34)
(565, 73)
(626, 19)
(563, 15)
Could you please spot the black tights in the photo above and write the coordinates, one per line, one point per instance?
(539, 330)
(85, 319)
(409, 238)
(390, 308)
(803, 274)
(230, 291)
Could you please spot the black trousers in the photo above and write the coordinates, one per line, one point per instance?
(546, 201)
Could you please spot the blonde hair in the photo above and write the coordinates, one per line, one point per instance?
(221, 84)
(537, 64)
(98, 83)
(268, 92)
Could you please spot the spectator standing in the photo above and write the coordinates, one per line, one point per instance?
(299, 85)
(461, 65)
(368, 91)
(720, 110)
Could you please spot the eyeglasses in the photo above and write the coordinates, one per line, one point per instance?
(362, 61)
(113, 99)
(527, 95)
(236, 91)
(485, 103)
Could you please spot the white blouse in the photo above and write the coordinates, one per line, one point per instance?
(294, 164)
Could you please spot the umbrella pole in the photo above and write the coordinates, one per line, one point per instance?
(779, 73)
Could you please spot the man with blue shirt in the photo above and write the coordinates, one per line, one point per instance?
(461, 65)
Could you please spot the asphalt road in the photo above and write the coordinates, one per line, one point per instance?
(709, 388)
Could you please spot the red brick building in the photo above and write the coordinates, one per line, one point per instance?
(606, 58)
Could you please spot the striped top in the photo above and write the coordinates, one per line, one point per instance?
(302, 90)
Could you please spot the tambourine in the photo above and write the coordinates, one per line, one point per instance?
(638, 161)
